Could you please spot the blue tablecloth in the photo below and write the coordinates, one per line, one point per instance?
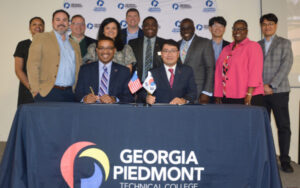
(78, 145)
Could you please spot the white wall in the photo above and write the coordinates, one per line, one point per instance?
(15, 14)
(280, 8)
(14, 18)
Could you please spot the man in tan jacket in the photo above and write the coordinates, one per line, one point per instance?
(53, 63)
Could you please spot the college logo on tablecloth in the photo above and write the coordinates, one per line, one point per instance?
(135, 167)
(85, 149)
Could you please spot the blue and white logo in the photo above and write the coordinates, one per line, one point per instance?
(176, 29)
(90, 26)
(100, 6)
(199, 27)
(154, 3)
(175, 6)
(209, 3)
(154, 6)
(177, 23)
(100, 3)
(209, 6)
(121, 5)
(123, 24)
(67, 5)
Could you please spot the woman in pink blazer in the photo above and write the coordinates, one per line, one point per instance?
(238, 74)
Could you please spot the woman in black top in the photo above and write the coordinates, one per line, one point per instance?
(36, 25)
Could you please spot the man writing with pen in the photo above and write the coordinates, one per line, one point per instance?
(103, 81)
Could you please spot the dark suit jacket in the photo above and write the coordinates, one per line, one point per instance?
(137, 47)
(124, 34)
(225, 43)
(200, 56)
(183, 86)
(84, 44)
(118, 82)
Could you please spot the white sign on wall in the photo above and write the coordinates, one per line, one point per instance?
(168, 13)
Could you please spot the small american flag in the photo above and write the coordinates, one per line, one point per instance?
(134, 83)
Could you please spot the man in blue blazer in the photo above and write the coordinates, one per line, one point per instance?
(103, 81)
(175, 82)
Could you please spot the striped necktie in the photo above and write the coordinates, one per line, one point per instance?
(149, 58)
(104, 82)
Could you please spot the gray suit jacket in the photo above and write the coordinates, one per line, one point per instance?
(277, 64)
(200, 56)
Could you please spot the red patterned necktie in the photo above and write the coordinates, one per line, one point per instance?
(172, 77)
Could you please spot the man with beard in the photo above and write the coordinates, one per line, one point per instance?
(53, 62)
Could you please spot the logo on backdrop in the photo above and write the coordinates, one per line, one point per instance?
(199, 27)
(177, 6)
(123, 24)
(72, 5)
(67, 5)
(126, 5)
(154, 6)
(90, 26)
(100, 6)
(176, 29)
(121, 5)
(209, 6)
(85, 149)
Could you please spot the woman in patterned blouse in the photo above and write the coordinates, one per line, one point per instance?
(110, 27)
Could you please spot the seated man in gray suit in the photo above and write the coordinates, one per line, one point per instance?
(278, 60)
(198, 53)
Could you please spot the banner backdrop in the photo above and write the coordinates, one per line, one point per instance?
(168, 13)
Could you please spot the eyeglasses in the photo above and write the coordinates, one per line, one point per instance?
(106, 48)
(169, 51)
(239, 29)
(80, 24)
(268, 24)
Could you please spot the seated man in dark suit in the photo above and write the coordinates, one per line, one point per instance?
(175, 82)
(107, 79)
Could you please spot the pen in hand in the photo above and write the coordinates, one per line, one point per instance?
(92, 91)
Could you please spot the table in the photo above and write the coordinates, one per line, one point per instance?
(162, 146)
